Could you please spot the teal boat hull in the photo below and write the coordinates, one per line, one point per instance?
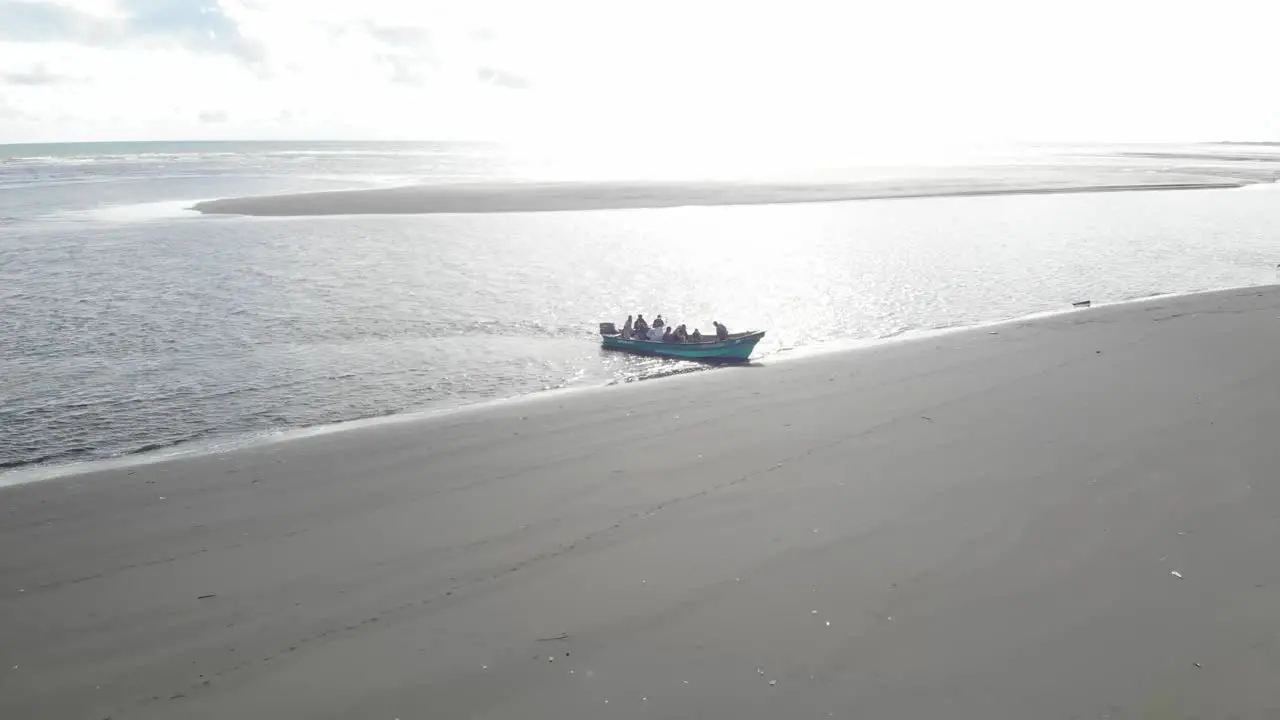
(735, 349)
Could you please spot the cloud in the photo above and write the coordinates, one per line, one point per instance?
(10, 112)
(409, 54)
(399, 36)
(564, 70)
(198, 25)
(37, 21)
(501, 78)
(213, 117)
(37, 76)
(405, 70)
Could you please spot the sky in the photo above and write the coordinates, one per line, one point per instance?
(642, 71)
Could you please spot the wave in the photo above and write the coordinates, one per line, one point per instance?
(74, 160)
(362, 153)
(88, 458)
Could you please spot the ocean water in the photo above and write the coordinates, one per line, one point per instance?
(130, 324)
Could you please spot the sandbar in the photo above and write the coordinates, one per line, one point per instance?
(617, 195)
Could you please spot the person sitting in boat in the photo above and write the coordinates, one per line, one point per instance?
(667, 335)
(641, 327)
(626, 328)
(681, 335)
(696, 336)
(722, 332)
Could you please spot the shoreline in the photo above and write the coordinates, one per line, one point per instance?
(1074, 515)
(37, 473)
(613, 195)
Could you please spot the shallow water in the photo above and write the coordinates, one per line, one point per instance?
(131, 325)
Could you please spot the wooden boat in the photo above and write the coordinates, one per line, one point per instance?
(736, 348)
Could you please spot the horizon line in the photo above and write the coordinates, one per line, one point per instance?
(527, 142)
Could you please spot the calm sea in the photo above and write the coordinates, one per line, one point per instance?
(129, 324)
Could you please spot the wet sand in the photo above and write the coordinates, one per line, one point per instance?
(556, 196)
(1074, 516)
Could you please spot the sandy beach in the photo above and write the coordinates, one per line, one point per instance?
(1068, 517)
(613, 195)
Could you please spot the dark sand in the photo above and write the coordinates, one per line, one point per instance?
(554, 196)
(979, 525)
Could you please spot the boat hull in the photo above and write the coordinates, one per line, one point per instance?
(735, 349)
